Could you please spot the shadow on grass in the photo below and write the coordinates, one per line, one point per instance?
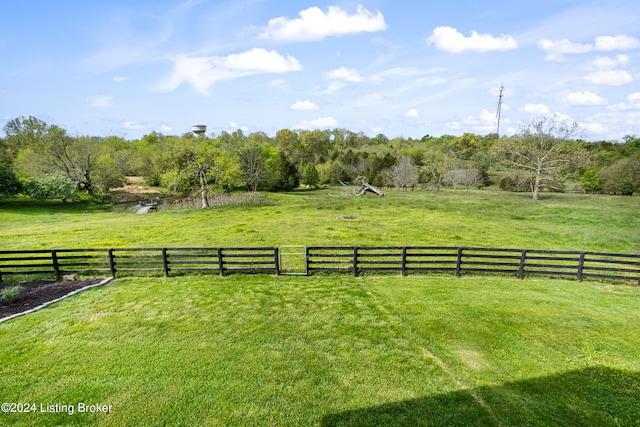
(597, 396)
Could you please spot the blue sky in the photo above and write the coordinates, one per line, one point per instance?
(401, 68)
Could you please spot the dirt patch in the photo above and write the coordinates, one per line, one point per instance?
(135, 190)
(39, 292)
(472, 359)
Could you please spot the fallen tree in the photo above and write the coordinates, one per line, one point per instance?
(366, 187)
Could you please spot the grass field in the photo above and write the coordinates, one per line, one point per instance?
(325, 217)
(330, 351)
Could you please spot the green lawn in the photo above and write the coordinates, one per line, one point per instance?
(263, 350)
(332, 350)
(327, 217)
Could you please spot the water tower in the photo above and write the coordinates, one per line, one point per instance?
(199, 130)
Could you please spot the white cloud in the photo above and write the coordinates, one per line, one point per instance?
(593, 128)
(376, 96)
(557, 49)
(634, 98)
(103, 101)
(120, 79)
(332, 87)
(234, 125)
(314, 24)
(583, 98)
(538, 109)
(487, 117)
(165, 129)
(412, 113)
(450, 40)
(319, 123)
(622, 42)
(633, 103)
(135, 126)
(486, 122)
(342, 73)
(203, 71)
(608, 63)
(609, 77)
(304, 105)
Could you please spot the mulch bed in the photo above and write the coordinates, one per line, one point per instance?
(41, 291)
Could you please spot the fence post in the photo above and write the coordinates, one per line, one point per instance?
(220, 265)
(112, 263)
(355, 261)
(459, 262)
(276, 260)
(523, 258)
(404, 260)
(580, 267)
(56, 267)
(306, 260)
(165, 263)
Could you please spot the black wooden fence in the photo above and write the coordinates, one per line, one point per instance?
(322, 259)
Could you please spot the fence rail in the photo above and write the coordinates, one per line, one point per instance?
(353, 260)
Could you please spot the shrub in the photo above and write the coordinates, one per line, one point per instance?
(11, 294)
(54, 186)
(9, 183)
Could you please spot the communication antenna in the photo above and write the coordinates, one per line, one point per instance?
(500, 95)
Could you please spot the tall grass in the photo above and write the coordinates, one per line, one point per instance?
(327, 217)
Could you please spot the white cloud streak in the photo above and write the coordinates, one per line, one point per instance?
(609, 77)
(342, 73)
(558, 49)
(313, 24)
(203, 71)
(319, 123)
(304, 106)
(537, 109)
(583, 98)
(450, 40)
(608, 63)
(103, 101)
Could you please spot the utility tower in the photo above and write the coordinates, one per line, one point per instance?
(500, 95)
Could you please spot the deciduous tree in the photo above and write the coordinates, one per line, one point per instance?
(543, 148)
(9, 184)
(253, 166)
(404, 173)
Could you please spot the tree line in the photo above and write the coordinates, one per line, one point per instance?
(44, 161)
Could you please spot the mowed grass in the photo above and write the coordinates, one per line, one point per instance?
(329, 351)
(333, 350)
(328, 217)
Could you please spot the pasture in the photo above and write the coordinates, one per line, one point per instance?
(327, 217)
(332, 350)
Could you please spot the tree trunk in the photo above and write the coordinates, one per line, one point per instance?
(203, 189)
(536, 186)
